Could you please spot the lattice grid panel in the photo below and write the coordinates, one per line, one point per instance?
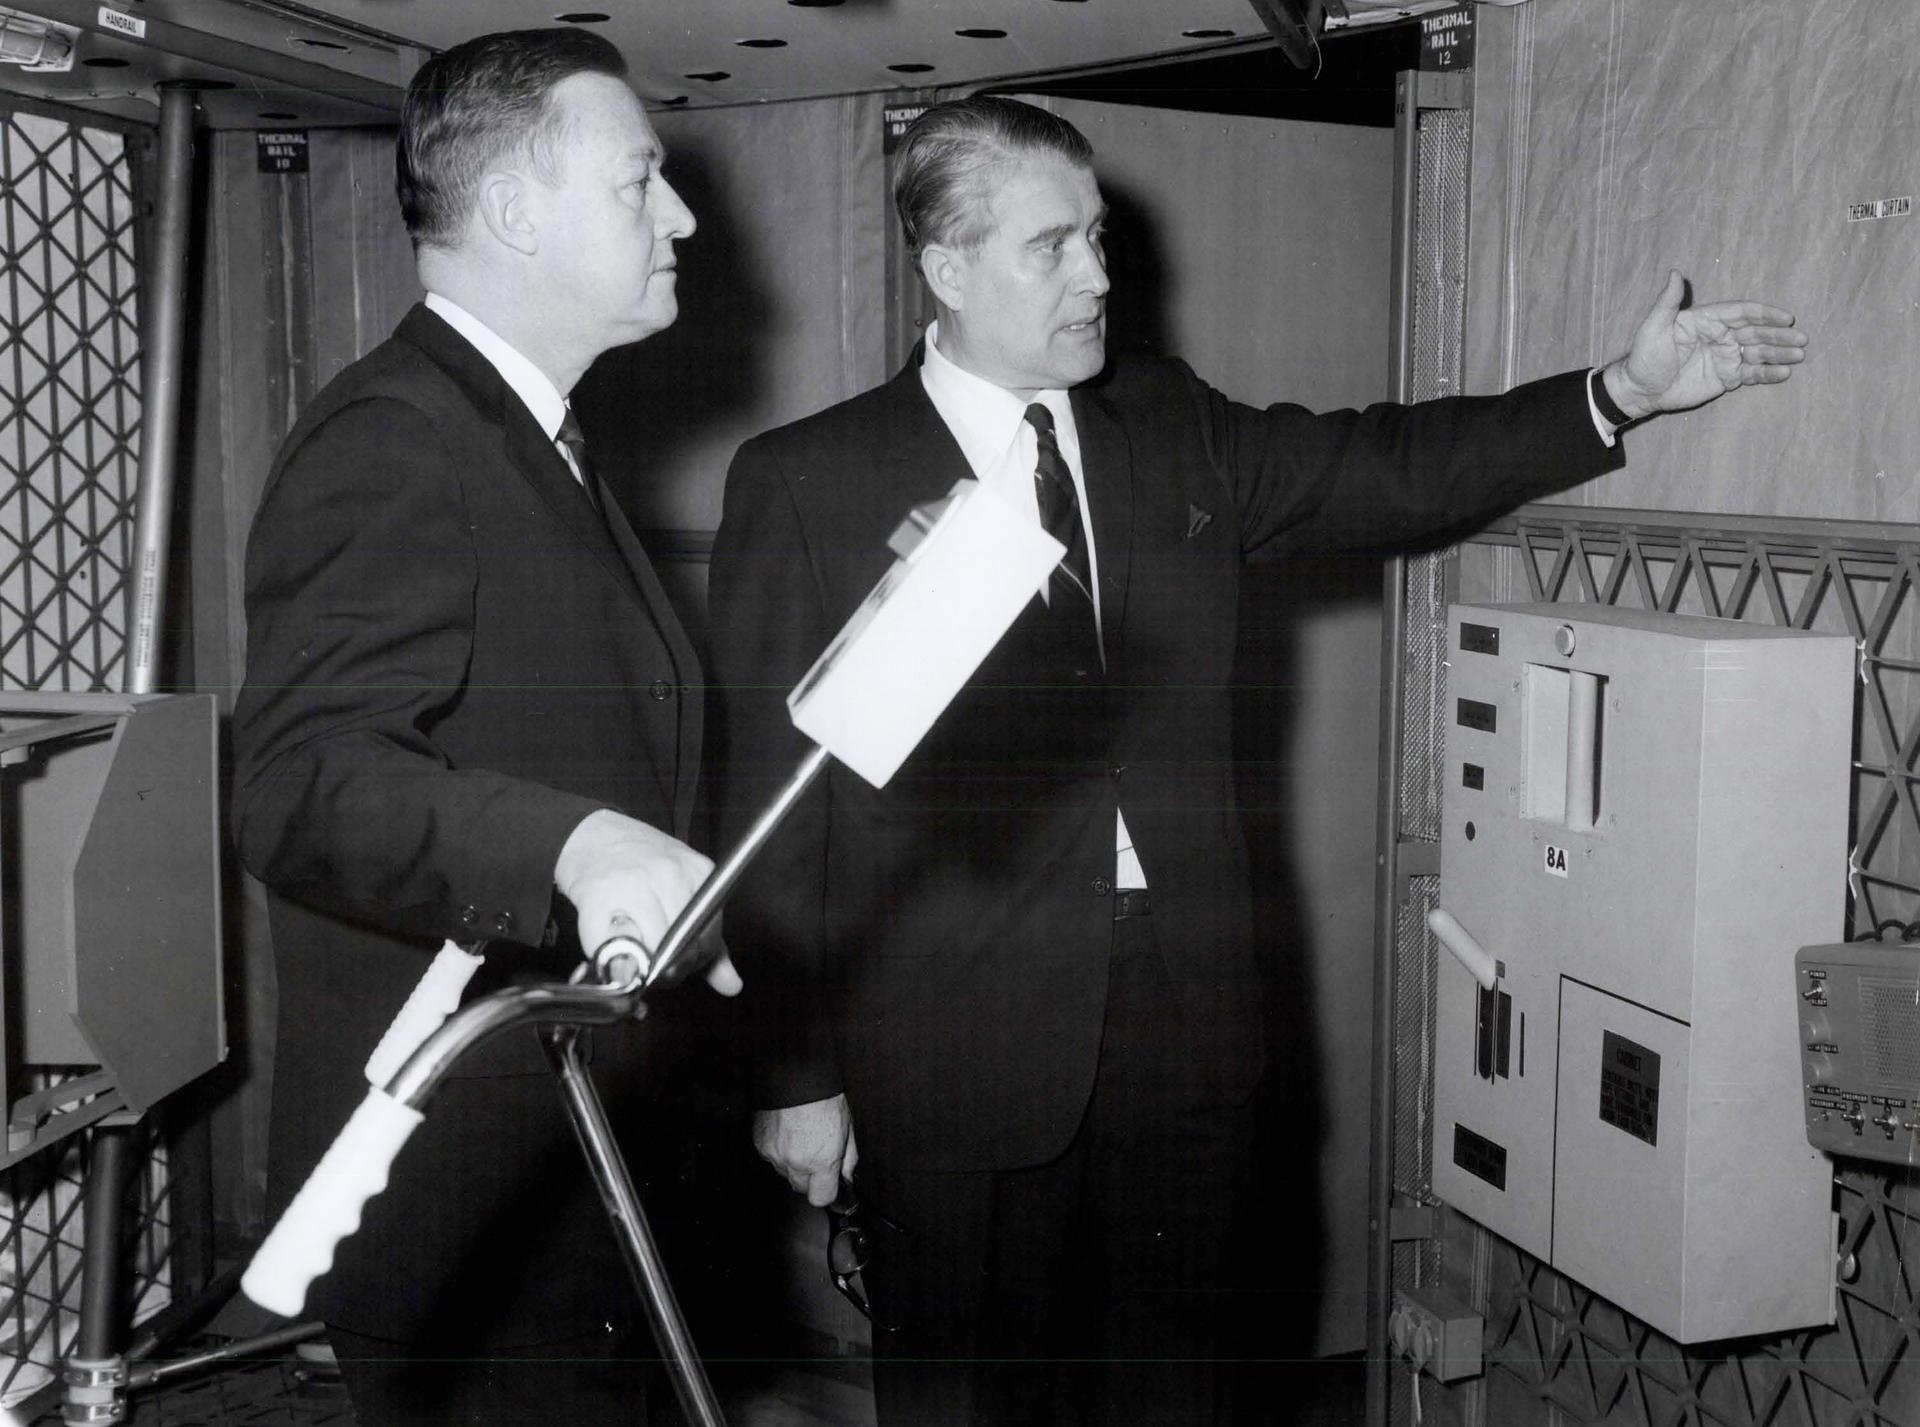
(1557, 1352)
(41, 1221)
(69, 475)
(1443, 157)
(69, 402)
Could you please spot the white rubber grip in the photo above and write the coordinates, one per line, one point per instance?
(433, 1000)
(1468, 952)
(327, 1208)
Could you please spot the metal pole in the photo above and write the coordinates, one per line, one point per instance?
(420, 1075)
(164, 296)
(1386, 884)
(95, 1374)
(100, 1276)
(706, 901)
(629, 1219)
(154, 1374)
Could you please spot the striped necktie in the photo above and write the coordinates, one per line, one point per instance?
(1060, 508)
(575, 440)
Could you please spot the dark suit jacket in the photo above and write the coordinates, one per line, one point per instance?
(452, 660)
(938, 949)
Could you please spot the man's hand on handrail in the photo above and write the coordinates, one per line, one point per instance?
(626, 878)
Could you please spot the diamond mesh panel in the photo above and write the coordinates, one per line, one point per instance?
(1558, 1353)
(1440, 251)
(69, 474)
(1438, 291)
(69, 402)
(1414, 974)
(40, 1254)
(1439, 287)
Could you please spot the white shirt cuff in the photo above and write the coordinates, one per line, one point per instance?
(1600, 423)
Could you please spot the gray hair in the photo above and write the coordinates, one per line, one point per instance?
(952, 156)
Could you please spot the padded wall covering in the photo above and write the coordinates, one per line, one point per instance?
(781, 296)
(1616, 138)
(1260, 250)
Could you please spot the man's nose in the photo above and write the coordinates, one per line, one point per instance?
(675, 219)
(1093, 272)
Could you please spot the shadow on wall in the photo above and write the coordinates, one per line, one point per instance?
(1137, 277)
(653, 405)
(1281, 1236)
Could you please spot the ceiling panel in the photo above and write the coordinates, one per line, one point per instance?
(346, 61)
(769, 49)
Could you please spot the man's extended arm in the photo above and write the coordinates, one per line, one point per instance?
(1395, 475)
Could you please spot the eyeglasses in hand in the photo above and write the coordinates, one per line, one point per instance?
(849, 1248)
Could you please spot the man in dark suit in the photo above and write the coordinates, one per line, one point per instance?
(471, 714)
(1023, 972)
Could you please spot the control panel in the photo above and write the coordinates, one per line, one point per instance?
(1859, 1006)
(1643, 816)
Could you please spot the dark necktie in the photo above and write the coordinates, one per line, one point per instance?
(1060, 510)
(575, 440)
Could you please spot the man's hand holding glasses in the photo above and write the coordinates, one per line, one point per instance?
(851, 1227)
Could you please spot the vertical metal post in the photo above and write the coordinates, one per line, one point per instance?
(96, 1373)
(164, 296)
(1386, 884)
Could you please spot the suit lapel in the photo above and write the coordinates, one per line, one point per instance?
(609, 538)
(689, 681)
(536, 459)
(1106, 463)
(927, 461)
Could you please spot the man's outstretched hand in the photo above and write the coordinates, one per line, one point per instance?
(1684, 357)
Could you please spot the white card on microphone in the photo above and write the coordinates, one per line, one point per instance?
(968, 565)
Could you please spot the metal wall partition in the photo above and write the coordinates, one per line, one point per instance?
(70, 412)
(1434, 131)
(1556, 1352)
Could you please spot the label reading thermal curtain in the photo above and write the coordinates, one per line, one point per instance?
(1879, 208)
(1630, 1087)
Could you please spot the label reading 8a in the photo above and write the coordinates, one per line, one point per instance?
(1556, 863)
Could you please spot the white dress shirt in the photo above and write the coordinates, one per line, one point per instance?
(990, 424)
(535, 390)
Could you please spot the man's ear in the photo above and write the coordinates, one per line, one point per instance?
(944, 270)
(506, 212)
